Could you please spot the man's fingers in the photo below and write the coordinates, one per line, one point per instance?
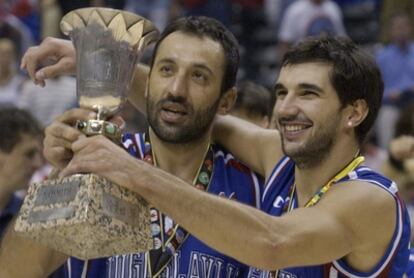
(63, 66)
(90, 144)
(71, 116)
(51, 58)
(53, 141)
(58, 156)
(29, 62)
(62, 131)
(76, 166)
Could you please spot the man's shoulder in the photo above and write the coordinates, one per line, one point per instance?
(366, 197)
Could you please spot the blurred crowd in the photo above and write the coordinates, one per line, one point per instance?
(265, 30)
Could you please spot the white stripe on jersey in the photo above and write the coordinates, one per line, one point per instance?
(68, 262)
(333, 273)
(256, 189)
(274, 175)
(85, 269)
(141, 148)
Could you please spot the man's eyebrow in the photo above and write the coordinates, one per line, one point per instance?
(204, 67)
(201, 66)
(278, 86)
(310, 87)
(166, 60)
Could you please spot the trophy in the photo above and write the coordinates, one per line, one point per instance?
(84, 215)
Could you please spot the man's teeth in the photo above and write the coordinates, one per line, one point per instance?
(174, 111)
(294, 127)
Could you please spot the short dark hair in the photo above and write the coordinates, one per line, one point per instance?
(255, 98)
(202, 26)
(355, 74)
(15, 122)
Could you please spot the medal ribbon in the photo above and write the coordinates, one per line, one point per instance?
(164, 249)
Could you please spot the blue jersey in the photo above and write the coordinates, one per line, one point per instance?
(275, 200)
(230, 179)
(409, 272)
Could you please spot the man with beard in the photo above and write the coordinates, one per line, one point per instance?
(337, 217)
(192, 79)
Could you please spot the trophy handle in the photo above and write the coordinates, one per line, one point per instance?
(100, 127)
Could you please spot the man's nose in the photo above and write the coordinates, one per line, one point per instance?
(178, 85)
(286, 107)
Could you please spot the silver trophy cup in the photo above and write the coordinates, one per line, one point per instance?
(84, 215)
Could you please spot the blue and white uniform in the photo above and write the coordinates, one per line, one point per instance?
(275, 200)
(230, 179)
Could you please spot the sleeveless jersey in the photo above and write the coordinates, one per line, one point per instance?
(230, 179)
(275, 200)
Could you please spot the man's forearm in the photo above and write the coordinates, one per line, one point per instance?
(230, 227)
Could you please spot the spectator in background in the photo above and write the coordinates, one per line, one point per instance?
(218, 9)
(396, 61)
(44, 103)
(10, 79)
(305, 18)
(13, 28)
(20, 157)
(400, 165)
(158, 11)
(50, 16)
(254, 104)
(375, 156)
(390, 8)
(27, 11)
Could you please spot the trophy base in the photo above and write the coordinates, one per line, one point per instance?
(85, 216)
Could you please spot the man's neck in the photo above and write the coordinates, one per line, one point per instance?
(181, 160)
(309, 180)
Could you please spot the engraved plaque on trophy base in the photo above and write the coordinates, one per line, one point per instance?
(86, 216)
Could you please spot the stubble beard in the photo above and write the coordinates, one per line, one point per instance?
(314, 151)
(199, 123)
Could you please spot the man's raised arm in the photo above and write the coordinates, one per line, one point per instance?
(54, 57)
(259, 148)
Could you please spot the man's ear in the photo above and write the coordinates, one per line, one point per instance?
(358, 111)
(227, 100)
